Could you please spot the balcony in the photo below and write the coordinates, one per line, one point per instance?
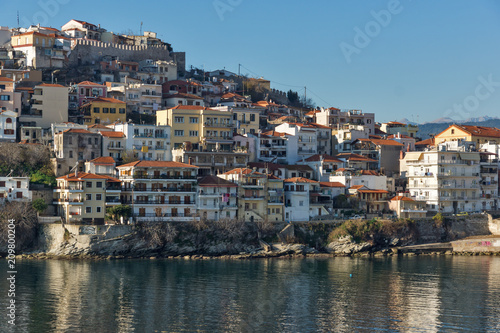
(77, 202)
(69, 188)
(218, 125)
(253, 197)
(113, 147)
(252, 186)
(112, 201)
(164, 189)
(159, 202)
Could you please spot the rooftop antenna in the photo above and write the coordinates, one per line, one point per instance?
(140, 31)
(10, 173)
(18, 19)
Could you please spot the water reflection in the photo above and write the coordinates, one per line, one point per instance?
(402, 294)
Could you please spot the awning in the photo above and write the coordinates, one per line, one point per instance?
(413, 156)
(469, 156)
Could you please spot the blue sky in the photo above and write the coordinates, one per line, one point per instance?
(420, 60)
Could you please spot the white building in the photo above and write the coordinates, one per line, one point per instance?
(307, 138)
(8, 127)
(148, 142)
(217, 198)
(276, 147)
(323, 165)
(15, 189)
(301, 199)
(369, 178)
(451, 179)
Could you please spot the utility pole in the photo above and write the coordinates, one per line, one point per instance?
(305, 96)
(239, 65)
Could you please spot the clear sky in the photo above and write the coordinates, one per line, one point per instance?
(416, 59)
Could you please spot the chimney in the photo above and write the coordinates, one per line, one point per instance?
(401, 154)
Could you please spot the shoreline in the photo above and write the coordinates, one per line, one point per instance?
(391, 252)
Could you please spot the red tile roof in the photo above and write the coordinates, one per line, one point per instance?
(299, 180)
(401, 198)
(355, 157)
(51, 85)
(214, 181)
(356, 187)
(373, 191)
(157, 164)
(5, 79)
(84, 175)
(481, 131)
(105, 160)
(106, 100)
(426, 142)
(326, 158)
(88, 83)
(237, 171)
(112, 134)
(77, 130)
(182, 95)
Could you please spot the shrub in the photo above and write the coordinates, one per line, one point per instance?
(39, 205)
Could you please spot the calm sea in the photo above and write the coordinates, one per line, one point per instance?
(394, 294)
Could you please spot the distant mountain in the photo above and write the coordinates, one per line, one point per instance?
(426, 129)
(407, 121)
(448, 120)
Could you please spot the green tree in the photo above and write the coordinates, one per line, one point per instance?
(39, 205)
(116, 212)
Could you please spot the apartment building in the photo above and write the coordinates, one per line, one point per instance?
(277, 147)
(452, 180)
(246, 119)
(323, 165)
(10, 99)
(146, 142)
(395, 127)
(334, 117)
(217, 198)
(306, 135)
(204, 128)
(302, 199)
(386, 152)
(159, 190)
(82, 198)
(48, 105)
(104, 110)
(74, 146)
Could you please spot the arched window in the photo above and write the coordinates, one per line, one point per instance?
(8, 121)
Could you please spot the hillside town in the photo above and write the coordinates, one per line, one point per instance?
(130, 129)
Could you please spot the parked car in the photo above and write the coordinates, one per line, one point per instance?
(357, 217)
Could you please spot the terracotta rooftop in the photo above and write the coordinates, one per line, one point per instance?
(331, 184)
(401, 198)
(51, 85)
(104, 160)
(214, 181)
(426, 142)
(237, 171)
(326, 158)
(480, 130)
(84, 175)
(77, 130)
(299, 180)
(89, 83)
(112, 134)
(182, 95)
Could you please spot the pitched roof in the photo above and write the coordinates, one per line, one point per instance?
(298, 167)
(77, 130)
(480, 131)
(263, 165)
(356, 187)
(401, 198)
(106, 100)
(80, 176)
(243, 171)
(299, 180)
(326, 158)
(355, 157)
(104, 160)
(89, 83)
(382, 142)
(274, 133)
(215, 181)
(331, 184)
(373, 191)
(51, 85)
(5, 79)
(369, 173)
(426, 142)
(112, 134)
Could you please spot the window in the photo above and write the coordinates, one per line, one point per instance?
(193, 133)
(70, 140)
(88, 184)
(96, 110)
(105, 110)
(98, 196)
(193, 120)
(70, 154)
(179, 133)
(2, 183)
(112, 110)
(99, 184)
(4, 97)
(301, 203)
(88, 196)
(179, 119)
(121, 110)
(254, 206)
(88, 210)
(247, 206)
(252, 117)
(98, 209)
(89, 141)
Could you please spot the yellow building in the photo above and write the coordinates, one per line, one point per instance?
(104, 110)
(203, 128)
(477, 134)
(82, 197)
(49, 104)
(275, 201)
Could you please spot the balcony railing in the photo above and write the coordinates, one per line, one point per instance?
(162, 215)
(164, 189)
(163, 176)
(159, 202)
